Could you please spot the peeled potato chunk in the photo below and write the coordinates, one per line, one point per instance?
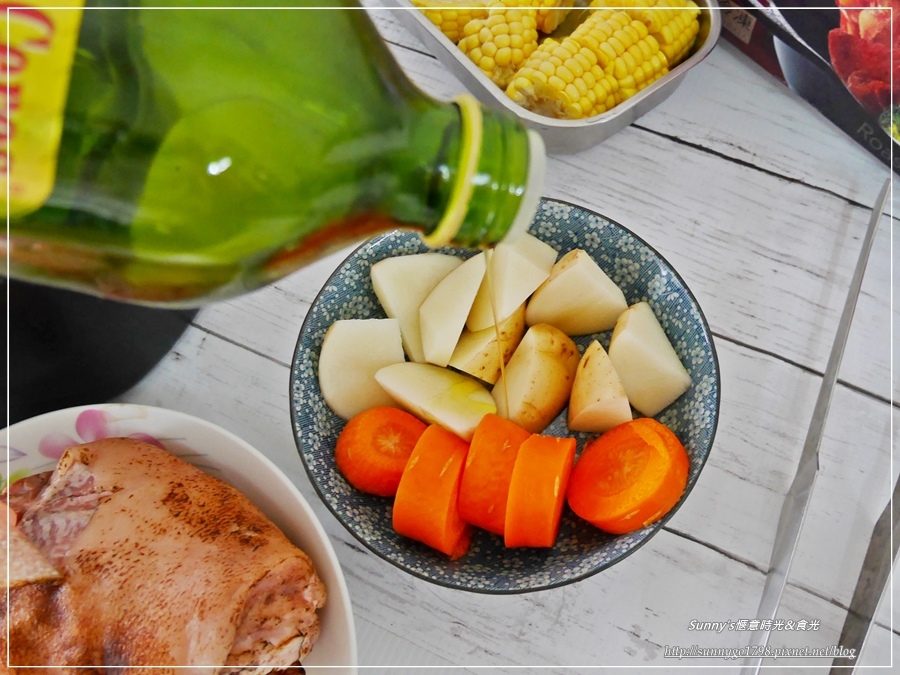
(442, 315)
(353, 350)
(401, 283)
(515, 270)
(598, 401)
(438, 395)
(578, 297)
(647, 364)
(482, 353)
(536, 383)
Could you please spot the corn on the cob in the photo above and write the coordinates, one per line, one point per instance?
(609, 33)
(630, 54)
(641, 65)
(500, 43)
(451, 16)
(606, 59)
(673, 23)
(563, 80)
(623, 5)
(678, 27)
(550, 13)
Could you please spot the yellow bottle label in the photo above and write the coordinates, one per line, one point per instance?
(37, 53)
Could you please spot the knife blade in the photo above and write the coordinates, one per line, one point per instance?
(796, 502)
(870, 585)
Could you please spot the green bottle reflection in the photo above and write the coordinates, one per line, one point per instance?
(208, 151)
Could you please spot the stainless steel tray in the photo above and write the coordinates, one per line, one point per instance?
(562, 136)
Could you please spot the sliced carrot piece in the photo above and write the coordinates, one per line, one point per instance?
(374, 446)
(537, 491)
(629, 477)
(489, 465)
(426, 505)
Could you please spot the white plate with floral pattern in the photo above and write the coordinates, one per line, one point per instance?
(35, 445)
(581, 550)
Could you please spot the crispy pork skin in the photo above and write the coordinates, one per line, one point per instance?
(162, 565)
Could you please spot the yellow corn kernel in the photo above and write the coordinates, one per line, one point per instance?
(563, 80)
(600, 33)
(674, 23)
(677, 35)
(550, 13)
(501, 42)
(626, 5)
(637, 75)
(451, 16)
(653, 13)
(614, 17)
(661, 12)
(639, 65)
(609, 34)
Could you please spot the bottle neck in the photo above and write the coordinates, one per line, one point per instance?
(466, 175)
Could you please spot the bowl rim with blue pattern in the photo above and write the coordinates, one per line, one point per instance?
(581, 549)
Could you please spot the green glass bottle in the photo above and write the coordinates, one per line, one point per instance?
(194, 154)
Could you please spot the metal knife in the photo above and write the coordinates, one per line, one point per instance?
(796, 502)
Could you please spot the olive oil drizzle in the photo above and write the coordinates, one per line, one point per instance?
(488, 279)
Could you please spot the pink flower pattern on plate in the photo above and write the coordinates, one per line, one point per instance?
(90, 425)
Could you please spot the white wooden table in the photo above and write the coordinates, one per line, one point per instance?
(761, 204)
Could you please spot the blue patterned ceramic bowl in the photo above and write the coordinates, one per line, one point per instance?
(581, 549)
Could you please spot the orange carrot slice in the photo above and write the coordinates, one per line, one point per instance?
(629, 477)
(489, 465)
(374, 446)
(537, 491)
(426, 505)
